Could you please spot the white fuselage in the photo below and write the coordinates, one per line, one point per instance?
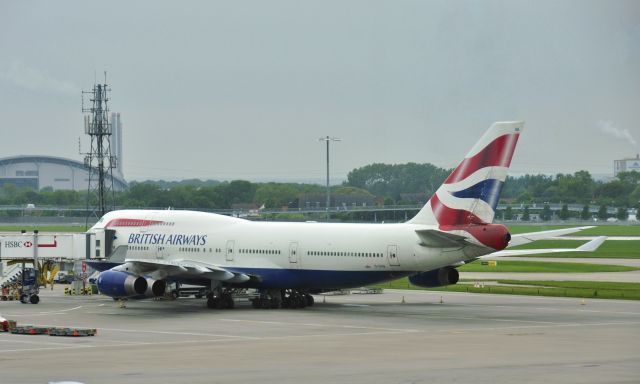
(284, 254)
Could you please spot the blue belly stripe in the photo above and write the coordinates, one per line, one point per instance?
(317, 279)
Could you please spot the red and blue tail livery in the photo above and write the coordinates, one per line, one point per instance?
(471, 192)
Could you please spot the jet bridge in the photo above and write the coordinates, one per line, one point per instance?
(49, 249)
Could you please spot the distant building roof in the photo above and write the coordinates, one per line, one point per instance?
(119, 183)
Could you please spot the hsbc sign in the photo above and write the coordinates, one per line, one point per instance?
(18, 244)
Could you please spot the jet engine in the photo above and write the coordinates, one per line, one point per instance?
(155, 288)
(436, 278)
(121, 284)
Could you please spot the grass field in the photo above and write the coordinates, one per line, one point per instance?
(580, 289)
(544, 267)
(577, 284)
(618, 249)
(611, 230)
(43, 228)
(602, 230)
(515, 229)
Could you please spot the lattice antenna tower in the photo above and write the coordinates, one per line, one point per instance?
(99, 160)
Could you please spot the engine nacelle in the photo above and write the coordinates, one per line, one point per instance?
(155, 288)
(436, 278)
(121, 284)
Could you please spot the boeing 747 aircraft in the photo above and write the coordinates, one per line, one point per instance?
(288, 262)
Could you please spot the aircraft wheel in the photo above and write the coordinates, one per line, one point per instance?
(34, 299)
(24, 298)
(302, 301)
(295, 302)
(228, 301)
(310, 300)
(212, 303)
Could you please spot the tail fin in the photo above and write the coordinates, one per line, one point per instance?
(471, 192)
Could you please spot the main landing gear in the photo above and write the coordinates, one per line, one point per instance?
(221, 298)
(224, 300)
(285, 298)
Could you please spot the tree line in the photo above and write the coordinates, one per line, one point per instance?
(393, 181)
(392, 184)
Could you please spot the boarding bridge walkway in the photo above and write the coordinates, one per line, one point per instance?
(18, 247)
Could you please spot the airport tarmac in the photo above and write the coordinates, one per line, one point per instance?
(434, 337)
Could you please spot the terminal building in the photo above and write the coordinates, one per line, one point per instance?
(626, 165)
(38, 172)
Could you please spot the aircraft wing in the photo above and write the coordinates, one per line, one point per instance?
(587, 247)
(181, 268)
(524, 238)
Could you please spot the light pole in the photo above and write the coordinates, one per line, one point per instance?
(328, 139)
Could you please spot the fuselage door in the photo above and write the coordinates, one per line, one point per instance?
(293, 254)
(392, 255)
(230, 248)
(146, 223)
(161, 251)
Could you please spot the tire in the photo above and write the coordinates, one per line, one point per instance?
(24, 298)
(230, 304)
(34, 299)
(310, 300)
(212, 303)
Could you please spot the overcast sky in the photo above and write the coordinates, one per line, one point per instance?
(244, 89)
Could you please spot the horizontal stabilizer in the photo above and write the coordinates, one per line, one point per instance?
(438, 239)
(524, 238)
(593, 244)
(587, 247)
